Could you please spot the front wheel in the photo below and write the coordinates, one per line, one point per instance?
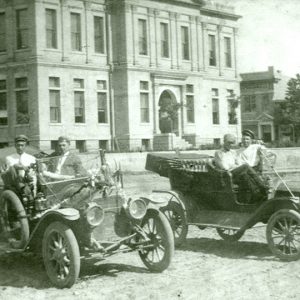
(283, 234)
(158, 248)
(177, 218)
(61, 255)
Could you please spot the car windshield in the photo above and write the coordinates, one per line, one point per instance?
(68, 167)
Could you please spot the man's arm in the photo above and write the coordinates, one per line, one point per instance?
(219, 161)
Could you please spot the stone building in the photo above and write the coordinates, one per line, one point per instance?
(121, 73)
(260, 91)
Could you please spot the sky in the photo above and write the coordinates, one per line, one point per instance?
(268, 35)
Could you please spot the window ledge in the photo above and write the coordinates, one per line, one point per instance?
(55, 124)
(53, 50)
(22, 125)
(3, 126)
(22, 50)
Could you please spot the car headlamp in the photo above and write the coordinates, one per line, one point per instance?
(137, 208)
(94, 214)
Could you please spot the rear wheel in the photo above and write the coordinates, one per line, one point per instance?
(61, 255)
(157, 251)
(283, 234)
(177, 219)
(230, 235)
(14, 222)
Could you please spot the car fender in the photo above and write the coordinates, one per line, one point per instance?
(175, 196)
(154, 203)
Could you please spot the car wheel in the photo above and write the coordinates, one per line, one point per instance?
(14, 221)
(283, 234)
(230, 235)
(158, 247)
(177, 219)
(61, 255)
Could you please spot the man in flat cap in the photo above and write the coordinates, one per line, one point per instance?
(21, 157)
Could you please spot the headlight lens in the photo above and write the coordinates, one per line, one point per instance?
(137, 208)
(94, 214)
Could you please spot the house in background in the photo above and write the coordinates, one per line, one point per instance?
(106, 72)
(260, 91)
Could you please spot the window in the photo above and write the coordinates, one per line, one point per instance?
(54, 145)
(22, 28)
(217, 142)
(145, 144)
(212, 50)
(21, 90)
(265, 102)
(164, 40)
(103, 144)
(3, 145)
(51, 30)
(185, 47)
(142, 37)
(3, 103)
(215, 106)
(231, 107)
(54, 99)
(75, 32)
(2, 33)
(190, 109)
(144, 101)
(79, 106)
(102, 101)
(249, 103)
(227, 49)
(80, 145)
(99, 34)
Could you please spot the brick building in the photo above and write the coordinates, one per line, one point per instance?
(105, 72)
(260, 91)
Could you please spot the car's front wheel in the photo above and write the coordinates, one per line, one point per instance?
(61, 255)
(283, 234)
(158, 247)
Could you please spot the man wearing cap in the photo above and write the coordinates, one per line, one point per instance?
(65, 163)
(20, 158)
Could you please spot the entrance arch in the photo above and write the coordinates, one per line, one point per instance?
(168, 112)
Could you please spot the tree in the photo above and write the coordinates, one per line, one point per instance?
(288, 112)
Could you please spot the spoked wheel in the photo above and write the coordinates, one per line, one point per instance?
(157, 251)
(61, 255)
(177, 219)
(283, 234)
(14, 221)
(230, 235)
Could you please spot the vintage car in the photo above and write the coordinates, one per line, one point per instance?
(206, 196)
(66, 217)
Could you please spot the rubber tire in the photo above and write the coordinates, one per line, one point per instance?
(165, 230)
(72, 252)
(229, 237)
(269, 228)
(16, 204)
(177, 209)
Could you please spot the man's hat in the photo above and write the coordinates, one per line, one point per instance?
(64, 139)
(248, 132)
(21, 138)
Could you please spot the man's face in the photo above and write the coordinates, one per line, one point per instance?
(20, 147)
(228, 144)
(246, 140)
(63, 147)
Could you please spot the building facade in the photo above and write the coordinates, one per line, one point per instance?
(260, 91)
(126, 74)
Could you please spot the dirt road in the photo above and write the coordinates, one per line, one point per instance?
(206, 267)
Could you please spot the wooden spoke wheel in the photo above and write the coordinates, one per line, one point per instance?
(230, 235)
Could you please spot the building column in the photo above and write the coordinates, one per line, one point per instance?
(235, 30)
(152, 36)
(182, 101)
(87, 25)
(204, 49)
(198, 47)
(155, 95)
(193, 42)
(219, 29)
(173, 44)
(65, 43)
(133, 27)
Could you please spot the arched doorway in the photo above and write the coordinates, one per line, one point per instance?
(168, 112)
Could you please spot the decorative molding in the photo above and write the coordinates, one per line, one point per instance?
(192, 19)
(47, 2)
(198, 19)
(150, 11)
(204, 25)
(134, 8)
(156, 12)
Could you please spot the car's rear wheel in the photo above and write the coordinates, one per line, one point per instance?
(230, 235)
(283, 234)
(157, 251)
(14, 222)
(177, 219)
(61, 255)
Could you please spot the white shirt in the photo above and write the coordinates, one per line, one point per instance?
(226, 159)
(24, 159)
(61, 161)
(250, 155)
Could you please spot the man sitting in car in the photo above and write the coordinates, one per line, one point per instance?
(242, 174)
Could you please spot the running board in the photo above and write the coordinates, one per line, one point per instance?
(221, 219)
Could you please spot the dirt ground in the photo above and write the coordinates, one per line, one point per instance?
(206, 267)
